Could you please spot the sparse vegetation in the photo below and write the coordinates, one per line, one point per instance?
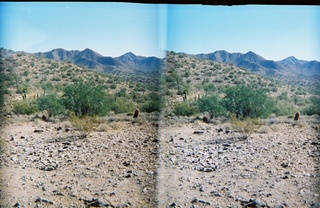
(25, 107)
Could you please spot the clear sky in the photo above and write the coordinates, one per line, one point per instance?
(112, 29)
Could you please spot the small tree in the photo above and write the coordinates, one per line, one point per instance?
(248, 101)
(155, 102)
(51, 103)
(212, 105)
(87, 99)
(314, 107)
(184, 108)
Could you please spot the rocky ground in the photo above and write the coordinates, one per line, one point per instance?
(49, 164)
(144, 163)
(206, 165)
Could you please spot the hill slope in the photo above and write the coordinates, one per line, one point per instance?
(190, 77)
(31, 76)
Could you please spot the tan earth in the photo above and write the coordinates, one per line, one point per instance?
(176, 162)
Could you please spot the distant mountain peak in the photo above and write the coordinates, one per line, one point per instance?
(127, 63)
(291, 59)
(128, 57)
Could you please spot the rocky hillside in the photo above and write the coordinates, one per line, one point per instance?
(29, 75)
(187, 74)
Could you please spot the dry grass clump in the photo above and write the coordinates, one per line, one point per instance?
(227, 127)
(275, 127)
(247, 125)
(85, 124)
(103, 127)
(264, 129)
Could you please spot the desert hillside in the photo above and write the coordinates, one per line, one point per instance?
(201, 134)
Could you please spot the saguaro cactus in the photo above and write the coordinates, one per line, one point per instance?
(205, 119)
(136, 113)
(297, 116)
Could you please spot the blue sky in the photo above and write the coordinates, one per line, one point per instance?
(112, 29)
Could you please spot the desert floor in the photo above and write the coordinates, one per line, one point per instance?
(168, 163)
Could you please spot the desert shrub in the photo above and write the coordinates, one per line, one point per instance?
(123, 105)
(51, 103)
(209, 87)
(183, 89)
(248, 101)
(25, 107)
(46, 85)
(122, 92)
(23, 87)
(154, 102)
(284, 108)
(184, 108)
(85, 124)
(86, 99)
(283, 96)
(152, 106)
(314, 107)
(211, 104)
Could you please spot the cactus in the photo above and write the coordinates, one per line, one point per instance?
(136, 113)
(205, 119)
(297, 116)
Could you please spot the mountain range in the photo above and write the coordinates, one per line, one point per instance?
(130, 63)
(126, 64)
(255, 63)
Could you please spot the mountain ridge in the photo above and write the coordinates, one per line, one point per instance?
(257, 63)
(126, 64)
(132, 64)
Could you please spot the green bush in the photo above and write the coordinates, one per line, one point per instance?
(248, 101)
(122, 92)
(155, 102)
(25, 107)
(211, 104)
(209, 87)
(51, 103)
(123, 105)
(284, 108)
(184, 108)
(314, 107)
(87, 99)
